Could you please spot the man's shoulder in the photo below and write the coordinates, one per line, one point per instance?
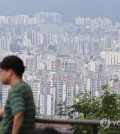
(19, 87)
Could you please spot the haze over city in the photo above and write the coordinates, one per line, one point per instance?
(70, 48)
(68, 8)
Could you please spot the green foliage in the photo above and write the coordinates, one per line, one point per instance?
(93, 108)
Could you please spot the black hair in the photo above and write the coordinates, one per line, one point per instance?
(14, 63)
(46, 131)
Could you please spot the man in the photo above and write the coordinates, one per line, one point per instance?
(19, 112)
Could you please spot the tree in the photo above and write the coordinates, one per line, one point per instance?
(95, 108)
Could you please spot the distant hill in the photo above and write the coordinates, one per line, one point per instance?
(68, 8)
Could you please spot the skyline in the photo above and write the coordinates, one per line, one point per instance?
(62, 59)
(69, 9)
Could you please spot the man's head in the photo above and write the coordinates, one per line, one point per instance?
(46, 131)
(11, 66)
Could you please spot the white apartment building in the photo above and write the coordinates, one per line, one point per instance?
(94, 83)
(111, 57)
(5, 91)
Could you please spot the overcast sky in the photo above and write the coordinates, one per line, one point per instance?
(68, 8)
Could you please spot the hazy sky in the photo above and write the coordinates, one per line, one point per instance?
(68, 8)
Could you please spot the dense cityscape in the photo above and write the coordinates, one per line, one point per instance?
(62, 59)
